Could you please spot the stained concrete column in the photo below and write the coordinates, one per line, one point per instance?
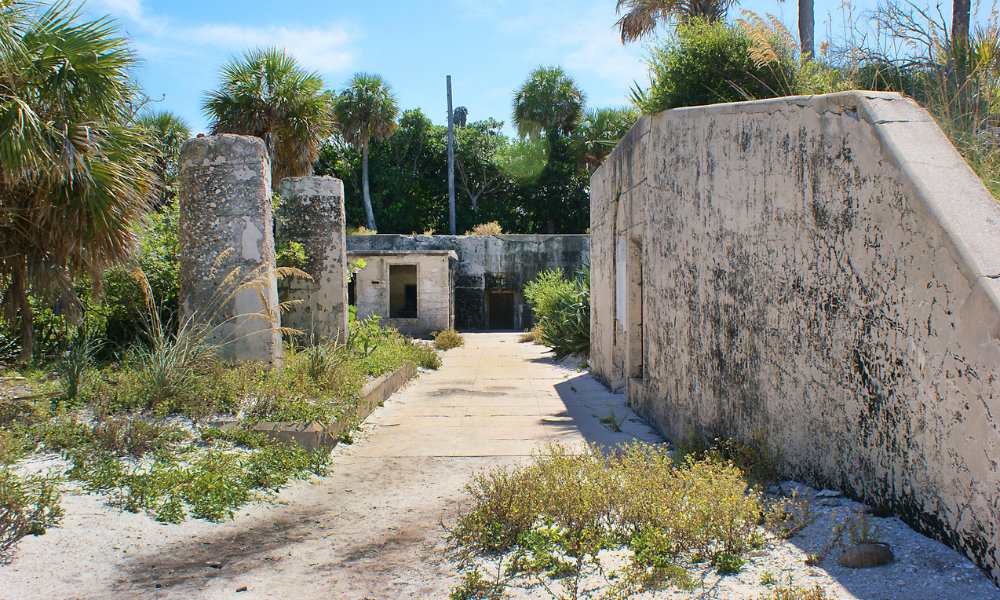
(226, 241)
(312, 214)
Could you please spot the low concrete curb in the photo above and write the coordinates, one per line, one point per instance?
(313, 436)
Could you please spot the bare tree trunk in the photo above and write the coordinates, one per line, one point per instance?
(451, 164)
(807, 29)
(369, 214)
(960, 16)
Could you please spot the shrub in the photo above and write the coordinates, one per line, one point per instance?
(491, 228)
(562, 311)
(448, 339)
(28, 505)
(362, 230)
(708, 63)
(546, 522)
(75, 360)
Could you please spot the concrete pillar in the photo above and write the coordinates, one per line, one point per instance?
(312, 214)
(227, 239)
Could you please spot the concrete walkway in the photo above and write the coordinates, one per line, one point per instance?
(372, 529)
(497, 397)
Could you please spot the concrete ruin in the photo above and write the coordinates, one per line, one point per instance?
(490, 273)
(312, 214)
(820, 269)
(227, 241)
(409, 290)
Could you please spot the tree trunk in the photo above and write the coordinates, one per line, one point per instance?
(369, 214)
(807, 29)
(18, 293)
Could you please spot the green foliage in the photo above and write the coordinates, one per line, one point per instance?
(562, 311)
(548, 103)
(267, 94)
(708, 63)
(210, 484)
(74, 362)
(545, 523)
(448, 339)
(862, 529)
(795, 593)
(291, 254)
(75, 172)
(28, 505)
(167, 132)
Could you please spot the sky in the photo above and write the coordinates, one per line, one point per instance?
(489, 47)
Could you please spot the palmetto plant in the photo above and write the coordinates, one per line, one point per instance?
(643, 16)
(366, 111)
(74, 171)
(167, 132)
(267, 95)
(600, 130)
(548, 102)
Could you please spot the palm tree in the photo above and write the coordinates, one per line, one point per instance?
(167, 132)
(807, 29)
(366, 111)
(549, 102)
(600, 130)
(74, 170)
(267, 95)
(642, 16)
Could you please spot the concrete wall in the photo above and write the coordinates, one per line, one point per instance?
(434, 281)
(490, 263)
(227, 239)
(823, 269)
(312, 214)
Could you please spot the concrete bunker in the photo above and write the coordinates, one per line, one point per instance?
(486, 287)
(408, 290)
(820, 269)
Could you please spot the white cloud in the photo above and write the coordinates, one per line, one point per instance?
(326, 49)
(321, 48)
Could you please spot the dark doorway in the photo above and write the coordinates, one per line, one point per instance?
(403, 291)
(500, 305)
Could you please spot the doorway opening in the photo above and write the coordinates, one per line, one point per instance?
(500, 309)
(402, 291)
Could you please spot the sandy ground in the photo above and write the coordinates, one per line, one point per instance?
(372, 528)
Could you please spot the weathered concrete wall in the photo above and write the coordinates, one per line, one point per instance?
(226, 231)
(434, 281)
(824, 269)
(312, 214)
(490, 263)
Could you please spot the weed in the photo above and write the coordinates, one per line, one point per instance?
(726, 563)
(545, 523)
(28, 505)
(475, 587)
(862, 529)
(75, 360)
(767, 578)
(789, 516)
(611, 422)
(795, 593)
(532, 335)
(491, 228)
(448, 339)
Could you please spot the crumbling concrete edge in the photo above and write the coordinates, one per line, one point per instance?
(314, 436)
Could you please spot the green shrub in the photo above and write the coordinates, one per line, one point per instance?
(448, 339)
(547, 521)
(708, 63)
(562, 311)
(75, 360)
(28, 505)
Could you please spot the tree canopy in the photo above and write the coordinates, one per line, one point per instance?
(74, 168)
(267, 95)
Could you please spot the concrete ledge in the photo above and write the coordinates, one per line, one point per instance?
(313, 436)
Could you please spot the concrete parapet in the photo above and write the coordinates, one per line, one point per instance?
(312, 214)
(227, 245)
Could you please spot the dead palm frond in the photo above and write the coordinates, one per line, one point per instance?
(642, 17)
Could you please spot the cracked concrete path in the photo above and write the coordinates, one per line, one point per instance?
(372, 528)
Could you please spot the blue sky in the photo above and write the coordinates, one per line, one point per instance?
(488, 46)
